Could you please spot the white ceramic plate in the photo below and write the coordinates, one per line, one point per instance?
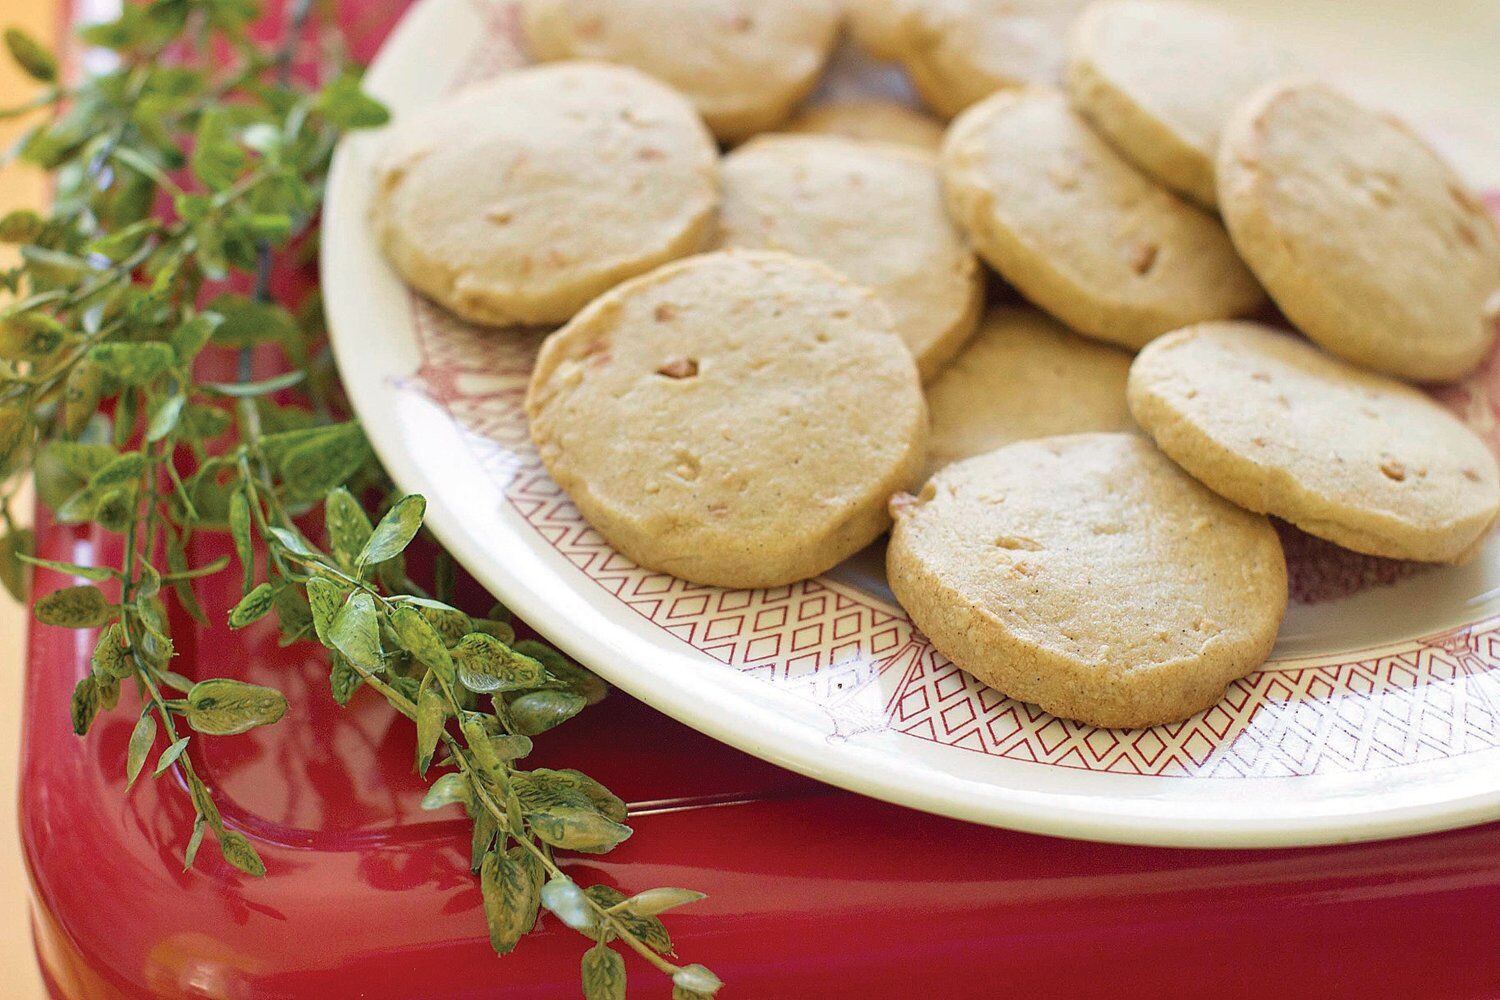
(1379, 715)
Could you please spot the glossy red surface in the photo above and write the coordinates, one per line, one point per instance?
(813, 892)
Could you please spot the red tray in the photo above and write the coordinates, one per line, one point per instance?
(812, 892)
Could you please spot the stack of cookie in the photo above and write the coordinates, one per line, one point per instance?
(770, 356)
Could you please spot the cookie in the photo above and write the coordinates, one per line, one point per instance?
(745, 64)
(1080, 231)
(875, 25)
(1274, 424)
(524, 197)
(872, 211)
(1366, 239)
(1158, 78)
(736, 418)
(1089, 575)
(959, 52)
(878, 121)
(1024, 375)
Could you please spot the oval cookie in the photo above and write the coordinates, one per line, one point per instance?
(524, 197)
(1274, 424)
(737, 419)
(1080, 231)
(872, 211)
(1089, 575)
(1024, 375)
(1160, 77)
(745, 64)
(1369, 243)
(959, 52)
(878, 121)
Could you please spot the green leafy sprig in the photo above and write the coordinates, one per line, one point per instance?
(119, 308)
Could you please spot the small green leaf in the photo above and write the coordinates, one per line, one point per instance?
(512, 897)
(574, 677)
(538, 711)
(345, 105)
(190, 338)
(603, 973)
(133, 363)
(567, 902)
(355, 631)
(195, 841)
(253, 606)
(163, 416)
(247, 390)
(486, 665)
(109, 659)
(292, 541)
(239, 530)
(450, 789)
(324, 598)
(421, 640)
(601, 798)
(20, 225)
(395, 531)
(349, 528)
(70, 569)
(121, 471)
(223, 707)
(31, 55)
(248, 322)
(74, 607)
(170, 754)
(576, 829)
(343, 679)
(237, 850)
(655, 901)
(85, 705)
(142, 738)
(15, 545)
(432, 714)
(696, 978)
(217, 158)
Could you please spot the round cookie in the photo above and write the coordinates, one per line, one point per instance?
(745, 64)
(1024, 375)
(1274, 424)
(1088, 575)
(1080, 231)
(524, 197)
(1366, 239)
(877, 121)
(1159, 78)
(959, 52)
(872, 211)
(737, 419)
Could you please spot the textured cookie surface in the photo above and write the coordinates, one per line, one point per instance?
(1024, 375)
(1368, 242)
(745, 64)
(1160, 77)
(878, 121)
(872, 211)
(1079, 230)
(1091, 576)
(524, 197)
(736, 418)
(875, 25)
(1274, 424)
(959, 52)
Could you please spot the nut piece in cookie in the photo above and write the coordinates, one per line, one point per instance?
(873, 212)
(1269, 421)
(1368, 241)
(521, 198)
(1079, 230)
(1159, 78)
(737, 418)
(745, 64)
(1089, 575)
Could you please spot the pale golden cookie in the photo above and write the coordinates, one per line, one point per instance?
(1158, 78)
(875, 25)
(878, 121)
(737, 418)
(1080, 231)
(1269, 421)
(1087, 574)
(1366, 239)
(522, 198)
(959, 52)
(872, 211)
(745, 64)
(1024, 375)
